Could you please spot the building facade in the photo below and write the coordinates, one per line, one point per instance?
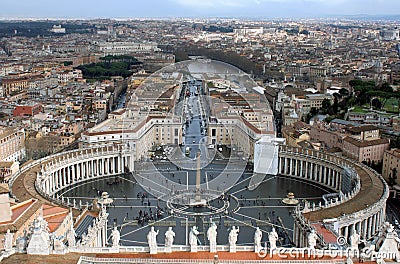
(12, 144)
(391, 162)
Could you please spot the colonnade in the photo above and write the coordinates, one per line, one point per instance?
(327, 170)
(309, 169)
(366, 226)
(80, 166)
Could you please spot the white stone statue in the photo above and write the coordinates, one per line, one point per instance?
(21, 243)
(115, 237)
(58, 246)
(193, 239)
(257, 240)
(152, 240)
(233, 235)
(349, 261)
(71, 237)
(312, 239)
(8, 241)
(354, 240)
(272, 238)
(212, 237)
(39, 243)
(390, 243)
(169, 239)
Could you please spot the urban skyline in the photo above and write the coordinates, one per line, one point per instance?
(200, 131)
(256, 9)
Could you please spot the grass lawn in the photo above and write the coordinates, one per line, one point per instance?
(360, 109)
(391, 104)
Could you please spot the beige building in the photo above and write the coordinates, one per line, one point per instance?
(365, 144)
(367, 150)
(5, 207)
(331, 138)
(12, 144)
(14, 83)
(391, 160)
(141, 133)
(296, 133)
(7, 169)
(235, 131)
(362, 133)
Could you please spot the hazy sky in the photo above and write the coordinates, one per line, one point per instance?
(195, 8)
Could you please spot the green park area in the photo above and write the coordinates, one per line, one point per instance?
(378, 97)
(109, 66)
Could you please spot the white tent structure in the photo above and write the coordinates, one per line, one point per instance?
(266, 160)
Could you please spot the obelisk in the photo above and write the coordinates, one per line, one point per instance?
(198, 197)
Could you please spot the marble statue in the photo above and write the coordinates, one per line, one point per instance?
(83, 241)
(354, 240)
(39, 243)
(8, 241)
(152, 240)
(21, 243)
(312, 239)
(349, 261)
(193, 239)
(212, 237)
(233, 235)
(71, 237)
(58, 246)
(390, 243)
(272, 238)
(169, 239)
(115, 237)
(257, 240)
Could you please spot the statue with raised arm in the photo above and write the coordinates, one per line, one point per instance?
(272, 238)
(152, 240)
(257, 240)
(193, 239)
(8, 241)
(354, 240)
(169, 239)
(312, 239)
(212, 237)
(115, 237)
(233, 235)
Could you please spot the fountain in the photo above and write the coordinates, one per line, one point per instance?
(290, 200)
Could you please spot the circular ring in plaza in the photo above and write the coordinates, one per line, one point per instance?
(192, 203)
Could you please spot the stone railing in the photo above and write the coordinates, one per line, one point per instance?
(84, 260)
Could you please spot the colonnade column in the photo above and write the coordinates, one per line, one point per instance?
(369, 227)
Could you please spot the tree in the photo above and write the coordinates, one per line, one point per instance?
(326, 105)
(344, 92)
(354, 83)
(376, 103)
(386, 88)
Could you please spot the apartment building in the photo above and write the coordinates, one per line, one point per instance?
(365, 150)
(12, 144)
(391, 162)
